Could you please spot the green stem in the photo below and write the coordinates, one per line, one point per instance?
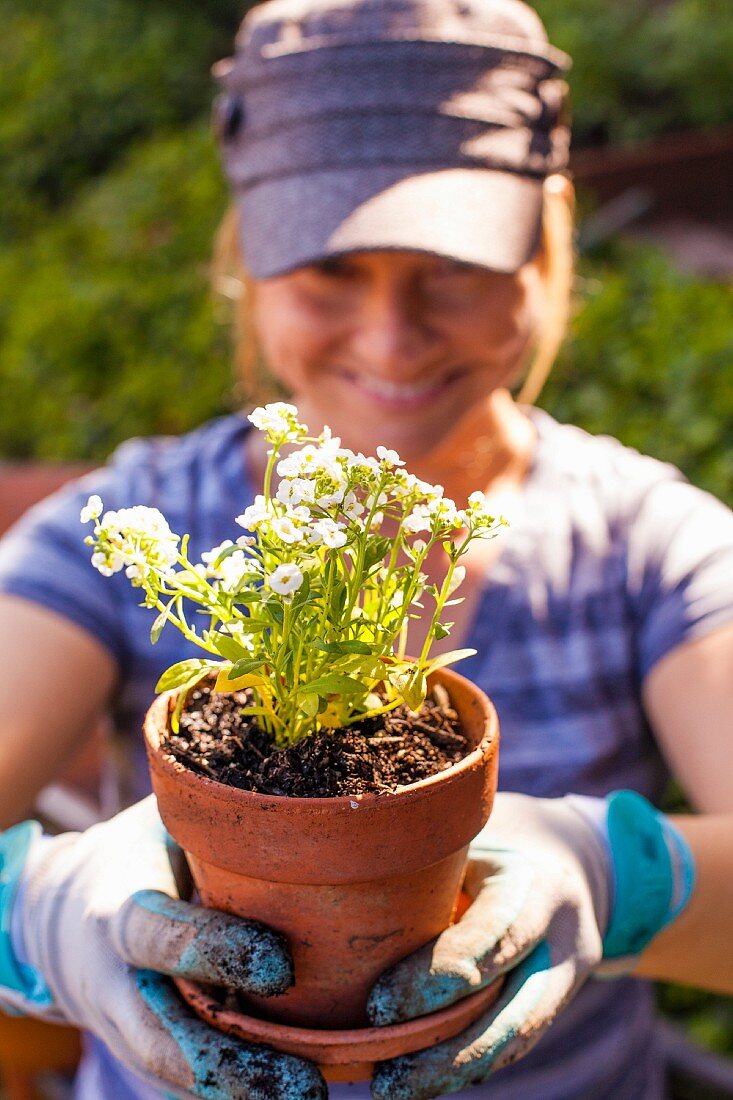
(439, 604)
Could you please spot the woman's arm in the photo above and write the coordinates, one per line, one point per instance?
(56, 680)
(689, 699)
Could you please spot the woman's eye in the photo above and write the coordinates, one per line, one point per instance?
(333, 267)
(450, 281)
(454, 269)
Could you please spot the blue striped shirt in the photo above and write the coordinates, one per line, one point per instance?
(611, 560)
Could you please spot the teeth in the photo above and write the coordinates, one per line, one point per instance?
(395, 390)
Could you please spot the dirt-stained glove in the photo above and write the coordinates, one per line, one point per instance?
(90, 922)
(561, 888)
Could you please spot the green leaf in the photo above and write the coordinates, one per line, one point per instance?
(353, 645)
(254, 710)
(370, 666)
(184, 689)
(444, 659)
(309, 704)
(333, 684)
(241, 668)
(162, 619)
(275, 609)
(442, 630)
(338, 601)
(414, 692)
(350, 645)
(254, 626)
(185, 672)
(228, 647)
(249, 597)
(376, 551)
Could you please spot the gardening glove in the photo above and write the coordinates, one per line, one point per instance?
(560, 888)
(90, 922)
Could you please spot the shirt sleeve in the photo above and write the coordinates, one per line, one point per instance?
(44, 559)
(680, 568)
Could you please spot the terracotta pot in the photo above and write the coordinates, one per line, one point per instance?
(354, 883)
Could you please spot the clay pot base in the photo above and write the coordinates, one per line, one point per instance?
(348, 1055)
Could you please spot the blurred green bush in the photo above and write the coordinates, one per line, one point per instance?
(650, 360)
(109, 329)
(644, 67)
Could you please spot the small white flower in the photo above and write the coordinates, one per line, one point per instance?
(286, 530)
(286, 579)
(289, 467)
(332, 497)
(328, 441)
(479, 516)
(377, 521)
(446, 512)
(417, 548)
(352, 508)
(389, 457)
(365, 467)
(418, 520)
(254, 515)
(332, 533)
(398, 598)
(105, 566)
(307, 462)
(277, 418)
(92, 509)
(231, 570)
(292, 493)
(210, 556)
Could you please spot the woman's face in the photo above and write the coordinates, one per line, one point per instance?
(393, 347)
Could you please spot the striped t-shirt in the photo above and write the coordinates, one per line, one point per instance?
(611, 560)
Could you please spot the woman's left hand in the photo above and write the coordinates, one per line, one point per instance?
(539, 881)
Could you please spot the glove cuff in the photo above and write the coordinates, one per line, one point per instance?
(654, 874)
(15, 976)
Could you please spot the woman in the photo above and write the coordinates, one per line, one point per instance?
(406, 238)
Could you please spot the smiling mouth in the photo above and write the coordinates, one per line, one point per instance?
(406, 395)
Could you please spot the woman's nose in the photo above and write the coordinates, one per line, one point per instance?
(394, 337)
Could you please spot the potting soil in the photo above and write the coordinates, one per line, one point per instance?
(377, 755)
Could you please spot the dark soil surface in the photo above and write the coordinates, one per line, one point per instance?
(370, 757)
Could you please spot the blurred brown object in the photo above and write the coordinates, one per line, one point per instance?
(687, 175)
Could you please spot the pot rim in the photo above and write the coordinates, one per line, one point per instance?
(225, 791)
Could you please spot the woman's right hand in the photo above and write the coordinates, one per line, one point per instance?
(98, 919)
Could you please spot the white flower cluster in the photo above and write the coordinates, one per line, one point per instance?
(136, 539)
(479, 517)
(310, 606)
(278, 419)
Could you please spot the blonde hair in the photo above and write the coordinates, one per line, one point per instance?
(231, 279)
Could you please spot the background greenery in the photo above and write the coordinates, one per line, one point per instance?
(110, 193)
